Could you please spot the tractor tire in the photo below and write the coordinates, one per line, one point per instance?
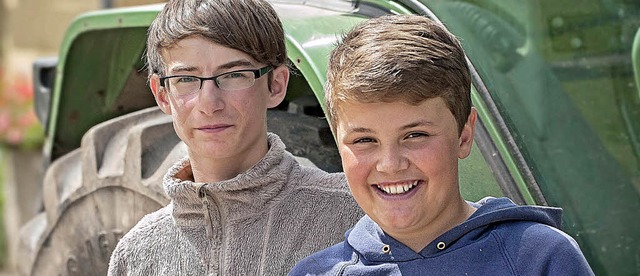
(95, 194)
(306, 137)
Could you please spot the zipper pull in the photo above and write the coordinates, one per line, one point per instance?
(202, 194)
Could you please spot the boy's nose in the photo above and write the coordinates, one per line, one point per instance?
(392, 160)
(208, 86)
(210, 98)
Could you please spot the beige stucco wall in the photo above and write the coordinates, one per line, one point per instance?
(123, 3)
(34, 28)
(40, 24)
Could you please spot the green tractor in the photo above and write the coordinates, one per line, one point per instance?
(556, 84)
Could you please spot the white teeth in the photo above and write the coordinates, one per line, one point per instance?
(398, 188)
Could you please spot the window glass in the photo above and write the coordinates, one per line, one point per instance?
(561, 74)
(476, 179)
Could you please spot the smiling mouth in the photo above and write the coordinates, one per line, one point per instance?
(399, 188)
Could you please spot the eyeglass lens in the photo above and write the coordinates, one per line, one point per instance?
(184, 85)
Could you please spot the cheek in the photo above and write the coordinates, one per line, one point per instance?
(177, 126)
(347, 157)
(181, 106)
(179, 115)
(436, 161)
(180, 112)
(355, 167)
(249, 106)
(180, 103)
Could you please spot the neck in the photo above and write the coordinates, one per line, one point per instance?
(453, 216)
(208, 170)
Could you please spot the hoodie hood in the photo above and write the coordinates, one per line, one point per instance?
(490, 211)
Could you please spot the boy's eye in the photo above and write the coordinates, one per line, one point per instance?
(363, 140)
(186, 79)
(417, 134)
(235, 75)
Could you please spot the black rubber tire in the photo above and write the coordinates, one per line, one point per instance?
(95, 194)
(306, 136)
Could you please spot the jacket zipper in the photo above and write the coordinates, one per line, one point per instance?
(207, 215)
(209, 224)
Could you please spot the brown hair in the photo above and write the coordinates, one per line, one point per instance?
(251, 26)
(406, 58)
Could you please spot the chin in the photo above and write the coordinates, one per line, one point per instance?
(211, 151)
(395, 223)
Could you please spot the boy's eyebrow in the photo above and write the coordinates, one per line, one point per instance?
(228, 65)
(235, 63)
(360, 130)
(182, 68)
(405, 127)
(417, 124)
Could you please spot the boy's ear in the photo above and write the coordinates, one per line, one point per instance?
(466, 136)
(279, 83)
(160, 94)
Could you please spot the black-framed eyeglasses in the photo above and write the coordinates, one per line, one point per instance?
(182, 85)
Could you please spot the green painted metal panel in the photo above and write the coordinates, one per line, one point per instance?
(498, 140)
(635, 56)
(86, 93)
(561, 77)
(309, 50)
(101, 63)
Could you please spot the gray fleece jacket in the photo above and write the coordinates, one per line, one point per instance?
(259, 223)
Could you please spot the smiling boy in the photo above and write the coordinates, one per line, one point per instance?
(398, 95)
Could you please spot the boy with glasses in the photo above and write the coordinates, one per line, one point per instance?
(240, 204)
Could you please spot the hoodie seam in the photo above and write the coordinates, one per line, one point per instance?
(503, 250)
(265, 242)
(353, 261)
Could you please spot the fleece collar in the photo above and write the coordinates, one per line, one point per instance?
(247, 194)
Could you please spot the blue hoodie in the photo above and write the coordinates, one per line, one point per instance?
(500, 238)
